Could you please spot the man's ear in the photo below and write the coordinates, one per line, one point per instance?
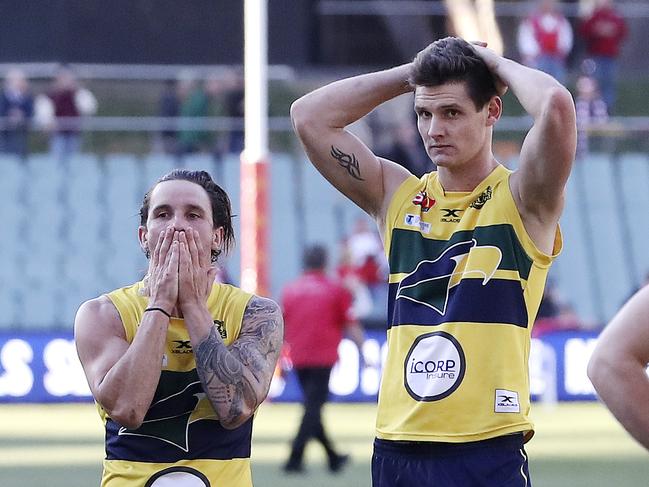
(217, 239)
(494, 110)
(143, 237)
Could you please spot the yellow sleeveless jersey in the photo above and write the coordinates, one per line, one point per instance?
(465, 284)
(180, 440)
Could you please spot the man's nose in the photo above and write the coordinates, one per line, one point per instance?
(178, 224)
(435, 127)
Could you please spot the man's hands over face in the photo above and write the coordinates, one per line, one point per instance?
(181, 273)
(163, 271)
(195, 270)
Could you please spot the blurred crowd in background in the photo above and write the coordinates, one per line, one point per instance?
(546, 39)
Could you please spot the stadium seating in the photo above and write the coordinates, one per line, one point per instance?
(70, 228)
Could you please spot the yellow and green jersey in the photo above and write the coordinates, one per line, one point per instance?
(465, 285)
(181, 439)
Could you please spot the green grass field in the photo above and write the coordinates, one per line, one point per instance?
(61, 445)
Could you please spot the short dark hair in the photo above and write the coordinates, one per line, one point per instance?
(221, 207)
(314, 257)
(452, 60)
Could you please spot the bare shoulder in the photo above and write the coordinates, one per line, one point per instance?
(392, 176)
(630, 326)
(98, 318)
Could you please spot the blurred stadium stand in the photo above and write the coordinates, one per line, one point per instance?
(71, 228)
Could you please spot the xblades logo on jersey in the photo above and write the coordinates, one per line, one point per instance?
(182, 346)
(431, 281)
(450, 215)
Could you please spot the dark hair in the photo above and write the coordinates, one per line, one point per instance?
(452, 60)
(315, 257)
(221, 207)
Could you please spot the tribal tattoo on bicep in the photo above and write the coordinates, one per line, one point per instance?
(347, 161)
(236, 378)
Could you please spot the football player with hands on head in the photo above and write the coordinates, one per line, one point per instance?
(469, 247)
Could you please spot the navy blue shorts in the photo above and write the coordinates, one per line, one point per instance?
(497, 462)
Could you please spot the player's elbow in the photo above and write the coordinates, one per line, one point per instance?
(127, 412)
(301, 116)
(129, 417)
(599, 368)
(233, 422)
(560, 109)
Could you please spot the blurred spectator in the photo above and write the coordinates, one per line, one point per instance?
(364, 270)
(545, 39)
(60, 109)
(603, 32)
(16, 110)
(317, 310)
(366, 253)
(362, 304)
(234, 107)
(194, 102)
(591, 109)
(169, 106)
(554, 314)
(406, 149)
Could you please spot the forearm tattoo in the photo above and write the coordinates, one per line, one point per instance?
(236, 378)
(348, 161)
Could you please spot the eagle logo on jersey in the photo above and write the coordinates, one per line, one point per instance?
(429, 284)
(422, 199)
(173, 410)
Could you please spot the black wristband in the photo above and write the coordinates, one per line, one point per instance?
(159, 309)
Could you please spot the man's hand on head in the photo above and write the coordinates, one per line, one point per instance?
(492, 61)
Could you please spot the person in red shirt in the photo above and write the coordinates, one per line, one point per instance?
(603, 32)
(545, 39)
(317, 311)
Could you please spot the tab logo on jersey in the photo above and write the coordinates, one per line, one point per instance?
(415, 221)
(434, 366)
(506, 401)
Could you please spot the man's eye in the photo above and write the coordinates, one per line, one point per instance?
(452, 113)
(162, 214)
(194, 216)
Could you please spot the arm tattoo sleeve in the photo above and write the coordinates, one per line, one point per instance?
(348, 161)
(236, 378)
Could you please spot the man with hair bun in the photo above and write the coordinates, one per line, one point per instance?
(469, 247)
(177, 363)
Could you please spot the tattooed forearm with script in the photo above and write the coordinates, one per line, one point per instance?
(348, 161)
(236, 378)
